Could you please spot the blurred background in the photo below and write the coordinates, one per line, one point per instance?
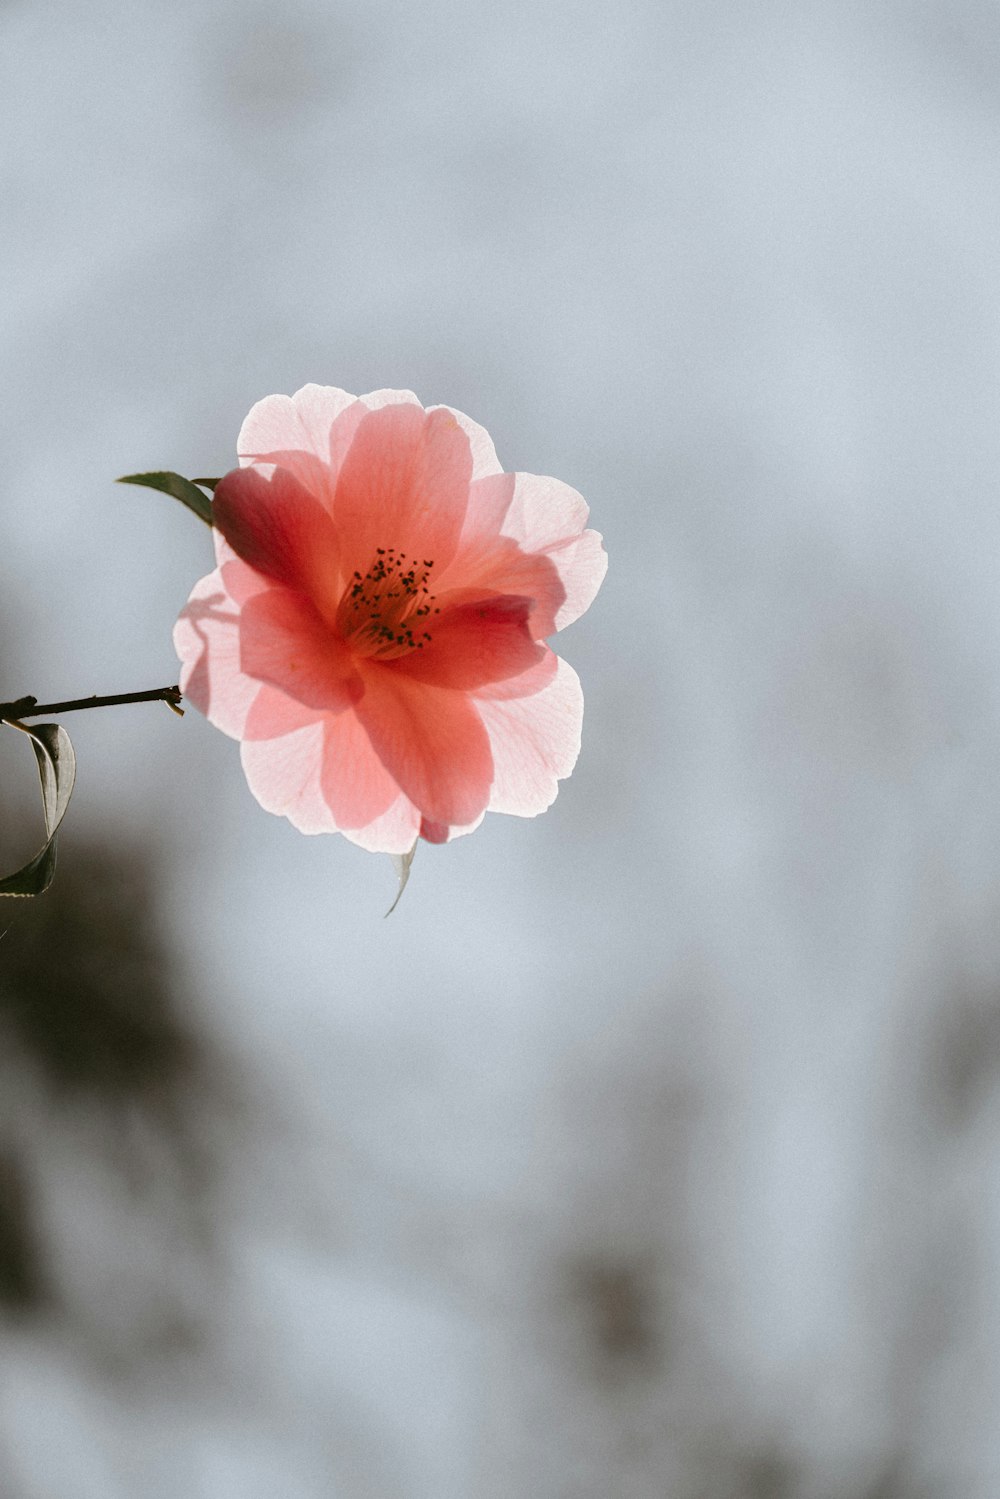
(650, 1150)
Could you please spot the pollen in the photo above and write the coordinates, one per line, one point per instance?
(383, 610)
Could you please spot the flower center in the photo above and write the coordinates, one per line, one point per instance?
(383, 611)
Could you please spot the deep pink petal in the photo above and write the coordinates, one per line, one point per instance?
(431, 741)
(535, 742)
(283, 641)
(356, 785)
(207, 640)
(284, 776)
(404, 484)
(485, 640)
(273, 523)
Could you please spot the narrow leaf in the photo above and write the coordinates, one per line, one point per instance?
(207, 483)
(401, 864)
(56, 772)
(180, 488)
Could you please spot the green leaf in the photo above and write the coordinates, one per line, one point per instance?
(207, 483)
(401, 864)
(57, 772)
(180, 488)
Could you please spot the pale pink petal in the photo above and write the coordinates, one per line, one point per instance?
(284, 642)
(273, 714)
(489, 500)
(581, 565)
(404, 484)
(341, 436)
(543, 511)
(242, 581)
(356, 785)
(393, 833)
(431, 741)
(326, 778)
(376, 399)
(484, 454)
(284, 776)
(485, 640)
(281, 530)
(293, 432)
(207, 640)
(548, 516)
(535, 742)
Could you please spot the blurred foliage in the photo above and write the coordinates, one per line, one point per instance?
(24, 1282)
(85, 983)
(102, 1066)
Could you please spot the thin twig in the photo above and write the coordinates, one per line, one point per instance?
(30, 707)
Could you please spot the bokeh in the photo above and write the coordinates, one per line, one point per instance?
(650, 1149)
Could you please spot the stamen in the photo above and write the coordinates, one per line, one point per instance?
(377, 608)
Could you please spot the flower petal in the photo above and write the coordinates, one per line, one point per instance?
(376, 399)
(548, 516)
(207, 640)
(326, 778)
(405, 484)
(535, 742)
(484, 454)
(484, 640)
(581, 565)
(273, 713)
(240, 579)
(277, 526)
(284, 776)
(356, 785)
(283, 641)
(544, 518)
(543, 511)
(431, 741)
(526, 685)
(436, 832)
(293, 432)
(393, 833)
(499, 566)
(489, 500)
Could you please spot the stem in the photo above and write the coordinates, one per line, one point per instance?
(30, 707)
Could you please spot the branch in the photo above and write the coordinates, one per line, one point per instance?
(30, 707)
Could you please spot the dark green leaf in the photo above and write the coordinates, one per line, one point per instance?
(180, 488)
(57, 772)
(207, 483)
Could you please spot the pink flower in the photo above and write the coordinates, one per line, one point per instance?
(374, 630)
